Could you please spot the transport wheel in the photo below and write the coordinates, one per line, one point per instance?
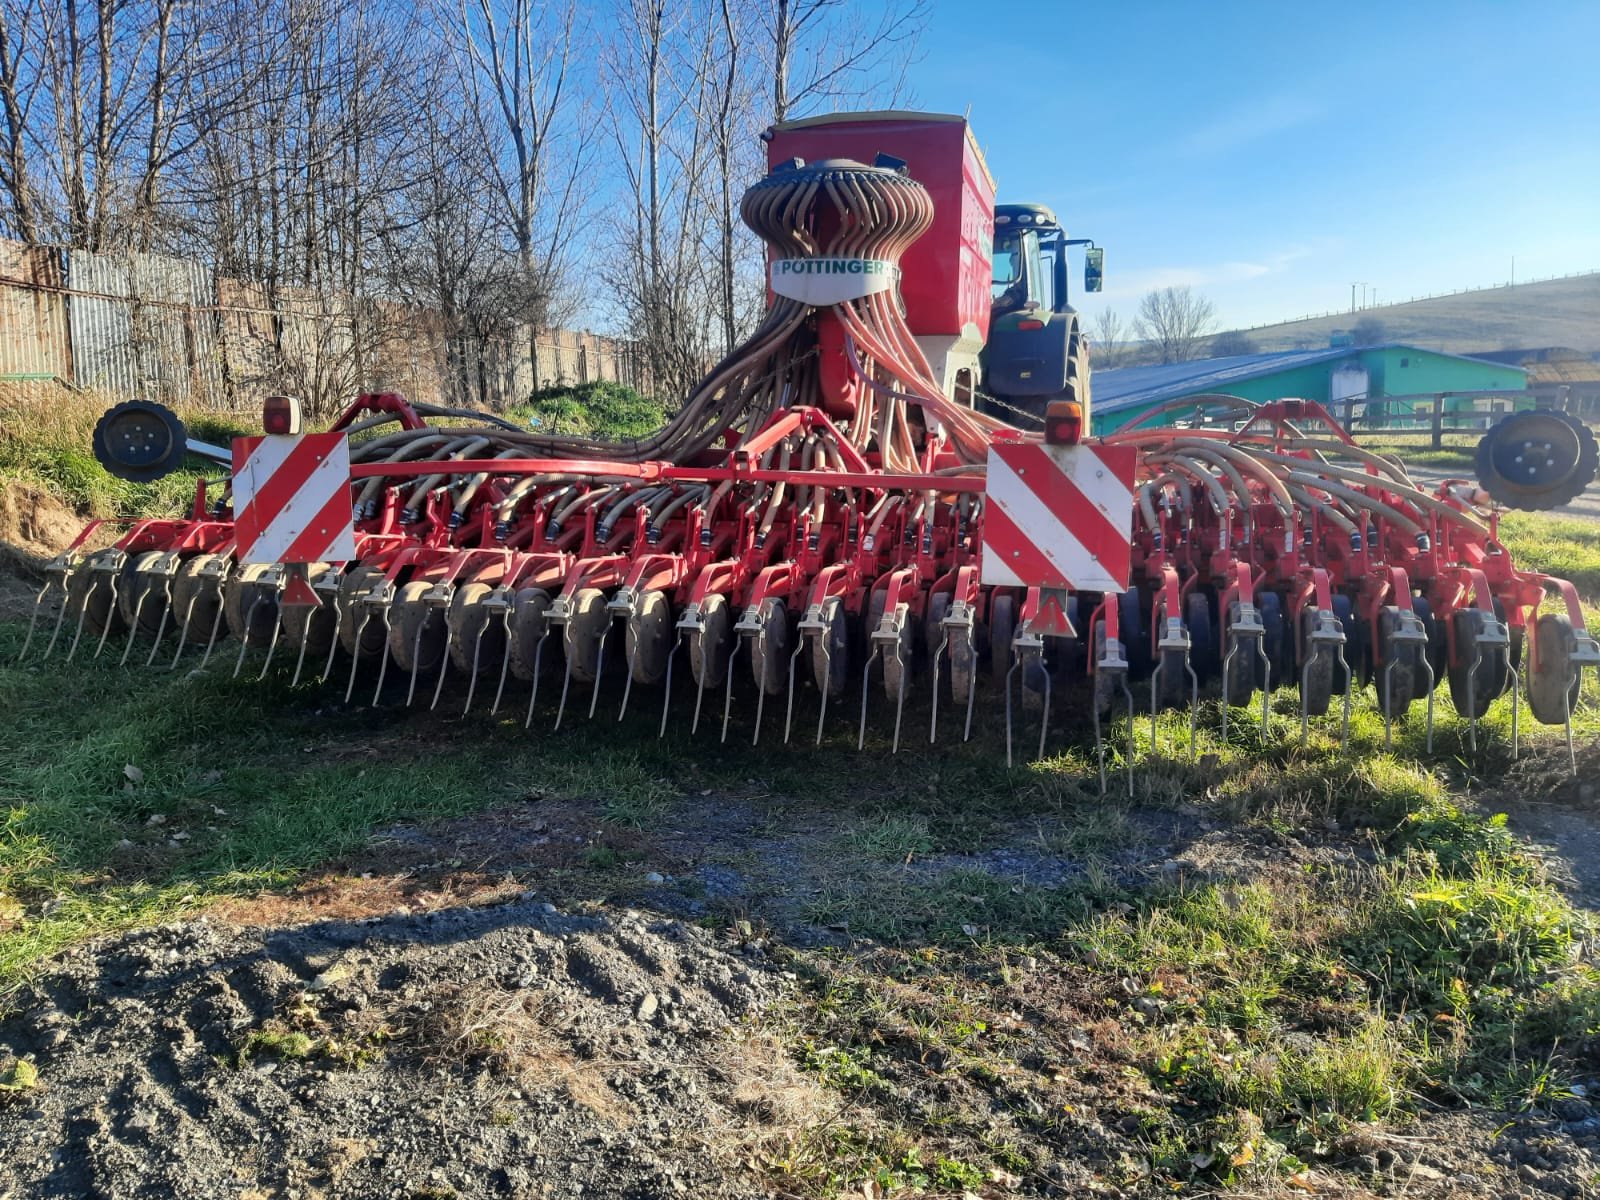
(357, 582)
(710, 649)
(648, 639)
(1551, 697)
(311, 626)
(1485, 681)
(151, 585)
(245, 598)
(94, 591)
(830, 650)
(195, 598)
(1436, 656)
(528, 629)
(417, 632)
(475, 630)
(1318, 668)
(1002, 625)
(588, 625)
(769, 651)
(1395, 695)
(1238, 677)
(1537, 460)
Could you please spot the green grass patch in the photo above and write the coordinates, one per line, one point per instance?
(1567, 547)
(612, 411)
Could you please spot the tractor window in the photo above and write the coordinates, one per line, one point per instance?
(1007, 266)
(1047, 275)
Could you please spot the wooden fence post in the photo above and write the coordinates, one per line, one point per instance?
(1438, 421)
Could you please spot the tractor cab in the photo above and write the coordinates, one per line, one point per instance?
(1035, 353)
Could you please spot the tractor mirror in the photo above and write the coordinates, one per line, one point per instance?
(1094, 266)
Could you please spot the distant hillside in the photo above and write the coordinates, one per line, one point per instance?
(1554, 312)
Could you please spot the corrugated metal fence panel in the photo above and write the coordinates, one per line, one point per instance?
(34, 341)
(144, 325)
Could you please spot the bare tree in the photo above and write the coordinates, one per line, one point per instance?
(825, 52)
(18, 77)
(1108, 334)
(1173, 320)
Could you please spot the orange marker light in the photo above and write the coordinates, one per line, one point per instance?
(1063, 423)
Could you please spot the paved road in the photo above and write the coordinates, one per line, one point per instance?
(1586, 505)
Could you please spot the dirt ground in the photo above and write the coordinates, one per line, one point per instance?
(533, 1002)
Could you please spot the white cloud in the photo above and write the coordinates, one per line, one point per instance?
(1137, 283)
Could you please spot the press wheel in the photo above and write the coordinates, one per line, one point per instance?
(769, 650)
(475, 630)
(354, 618)
(528, 629)
(712, 646)
(1173, 685)
(140, 581)
(1318, 666)
(648, 639)
(195, 598)
(1551, 697)
(411, 618)
(246, 598)
(1239, 674)
(1486, 680)
(311, 625)
(830, 650)
(97, 593)
(1002, 625)
(587, 626)
(1395, 696)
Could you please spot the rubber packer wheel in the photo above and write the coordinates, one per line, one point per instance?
(195, 598)
(245, 599)
(710, 649)
(648, 640)
(1239, 676)
(357, 583)
(1318, 666)
(96, 593)
(529, 645)
(416, 630)
(587, 627)
(1551, 697)
(1489, 679)
(141, 581)
(769, 651)
(830, 650)
(475, 631)
(1396, 685)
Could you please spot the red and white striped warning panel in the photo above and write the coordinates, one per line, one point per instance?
(291, 499)
(1058, 516)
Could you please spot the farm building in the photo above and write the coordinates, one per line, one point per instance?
(1364, 373)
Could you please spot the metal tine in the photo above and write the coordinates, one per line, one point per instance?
(538, 660)
(933, 721)
(1266, 689)
(761, 690)
(1194, 706)
(1044, 716)
(133, 625)
(333, 644)
(1516, 702)
(1349, 691)
(699, 690)
(444, 669)
(788, 716)
(61, 613)
(1015, 664)
(627, 686)
(272, 646)
(727, 691)
(1385, 703)
(827, 674)
(866, 674)
(1128, 692)
(599, 669)
(166, 614)
(83, 612)
(1566, 714)
(1227, 663)
(1472, 699)
(505, 660)
(566, 685)
(355, 658)
(244, 642)
(416, 662)
(666, 692)
(383, 656)
(1155, 702)
(900, 698)
(38, 603)
(1099, 744)
(300, 659)
(106, 632)
(1428, 667)
(216, 628)
(972, 694)
(477, 649)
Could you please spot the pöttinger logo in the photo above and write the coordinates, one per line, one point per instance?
(832, 280)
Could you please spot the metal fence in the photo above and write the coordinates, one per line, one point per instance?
(170, 329)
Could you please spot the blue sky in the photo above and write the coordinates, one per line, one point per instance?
(1271, 154)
